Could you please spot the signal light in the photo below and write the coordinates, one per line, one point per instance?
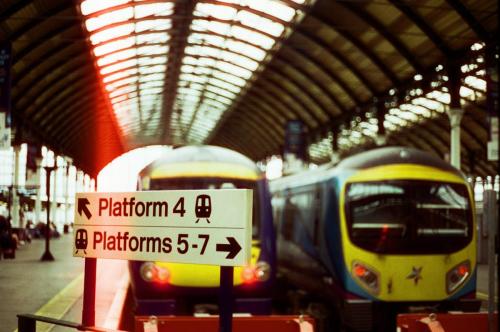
(359, 270)
(259, 272)
(248, 275)
(463, 270)
(457, 276)
(368, 277)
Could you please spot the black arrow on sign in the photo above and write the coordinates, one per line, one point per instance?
(82, 206)
(232, 248)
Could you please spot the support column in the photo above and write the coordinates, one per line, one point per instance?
(455, 113)
(455, 116)
(335, 156)
(14, 212)
(38, 202)
(85, 184)
(53, 203)
(79, 181)
(491, 62)
(67, 206)
(381, 138)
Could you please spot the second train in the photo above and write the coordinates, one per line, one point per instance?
(385, 231)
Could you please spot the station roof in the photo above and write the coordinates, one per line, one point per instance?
(94, 79)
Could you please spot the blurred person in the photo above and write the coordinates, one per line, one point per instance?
(8, 243)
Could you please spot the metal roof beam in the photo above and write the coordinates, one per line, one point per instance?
(367, 51)
(390, 37)
(180, 31)
(347, 89)
(345, 62)
(466, 15)
(422, 25)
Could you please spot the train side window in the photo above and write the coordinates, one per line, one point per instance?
(277, 203)
(290, 213)
(298, 216)
(317, 215)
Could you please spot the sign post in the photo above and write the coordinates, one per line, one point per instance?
(226, 299)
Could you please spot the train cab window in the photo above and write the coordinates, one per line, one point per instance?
(409, 216)
(212, 183)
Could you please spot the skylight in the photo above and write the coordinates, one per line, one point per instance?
(130, 44)
(226, 43)
(417, 107)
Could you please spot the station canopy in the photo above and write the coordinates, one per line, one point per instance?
(93, 79)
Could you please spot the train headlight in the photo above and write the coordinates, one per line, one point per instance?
(367, 276)
(259, 272)
(147, 271)
(262, 271)
(151, 272)
(248, 275)
(457, 275)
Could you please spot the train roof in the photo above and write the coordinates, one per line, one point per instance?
(363, 160)
(212, 160)
(395, 155)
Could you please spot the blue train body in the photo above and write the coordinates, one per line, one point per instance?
(383, 231)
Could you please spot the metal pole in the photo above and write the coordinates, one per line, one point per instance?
(455, 112)
(47, 255)
(89, 287)
(489, 212)
(15, 220)
(226, 299)
(455, 115)
(26, 324)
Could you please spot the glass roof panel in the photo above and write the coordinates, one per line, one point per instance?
(114, 46)
(229, 78)
(120, 74)
(217, 11)
(159, 8)
(244, 48)
(153, 25)
(117, 56)
(149, 38)
(116, 16)
(235, 70)
(91, 6)
(132, 57)
(274, 8)
(118, 66)
(253, 37)
(126, 81)
(260, 23)
(111, 33)
(118, 99)
(227, 41)
(225, 85)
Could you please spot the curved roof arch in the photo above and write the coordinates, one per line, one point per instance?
(92, 79)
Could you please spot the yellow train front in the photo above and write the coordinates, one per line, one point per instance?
(391, 230)
(163, 288)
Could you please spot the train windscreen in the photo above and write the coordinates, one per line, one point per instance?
(409, 216)
(212, 183)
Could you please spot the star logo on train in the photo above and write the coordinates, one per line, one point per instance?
(415, 274)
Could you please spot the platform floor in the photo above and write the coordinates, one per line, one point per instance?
(55, 289)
